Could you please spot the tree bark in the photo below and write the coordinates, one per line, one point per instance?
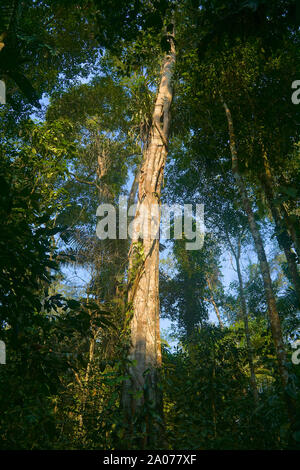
(145, 350)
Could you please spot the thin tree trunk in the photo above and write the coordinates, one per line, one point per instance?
(292, 230)
(282, 235)
(85, 384)
(245, 318)
(264, 266)
(143, 295)
(212, 300)
(134, 186)
(213, 394)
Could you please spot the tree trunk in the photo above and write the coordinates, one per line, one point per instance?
(212, 300)
(264, 266)
(292, 229)
(245, 319)
(282, 234)
(142, 390)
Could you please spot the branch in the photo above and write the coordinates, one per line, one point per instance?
(82, 181)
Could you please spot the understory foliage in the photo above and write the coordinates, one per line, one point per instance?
(81, 80)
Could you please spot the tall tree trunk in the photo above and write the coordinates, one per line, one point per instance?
(143, 296)
(264, 266)
(294, 233)
(237, 256)
(282, 234)
(212, 300)
(292, 226)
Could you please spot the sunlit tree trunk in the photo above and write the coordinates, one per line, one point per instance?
(212, 300)
(143, 296)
